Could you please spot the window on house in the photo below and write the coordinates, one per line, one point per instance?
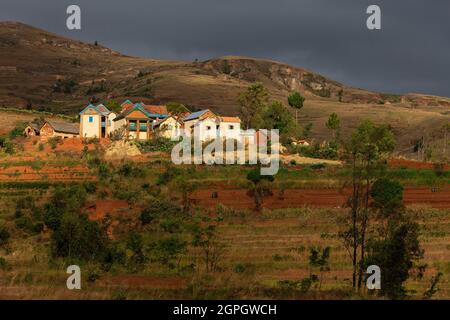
(231, 127)
(91, 119)
(208, 127)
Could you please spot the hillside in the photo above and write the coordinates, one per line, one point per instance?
(44, 71)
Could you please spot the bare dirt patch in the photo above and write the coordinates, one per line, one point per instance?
(100, 208)
(142, 281)
(404, 163)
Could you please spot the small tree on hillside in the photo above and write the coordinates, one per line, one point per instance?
(213, 250)
(395, 247)
(259, 187)
(340, 94)
(445, 130)
(296, 101)
(334, 124)
(319, 258)
(395, 254)
(365, 154)
(277, 116)
(252, 103)
(114, 106)
(184, 187)
(176, 108)
(4, 235)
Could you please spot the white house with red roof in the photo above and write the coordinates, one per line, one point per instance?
(229, 127)
(209, 125)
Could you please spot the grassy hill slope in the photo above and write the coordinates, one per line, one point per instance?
(44, 71)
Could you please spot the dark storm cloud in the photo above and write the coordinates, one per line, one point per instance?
(409, 54)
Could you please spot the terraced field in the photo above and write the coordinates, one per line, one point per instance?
(260, 252)
(261, 249)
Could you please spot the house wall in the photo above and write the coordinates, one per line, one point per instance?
(205, 133)
(90, 129)
(111, 124)
(143, 135)
(29, 132)
(170, 128)
(47, 131)
(65, 135)
(187, 127)
(202, 124)
(227, 133)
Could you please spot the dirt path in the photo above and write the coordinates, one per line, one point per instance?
(293, 198)
(404, 163)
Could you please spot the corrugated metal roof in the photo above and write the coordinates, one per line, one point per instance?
(34, 126)
(104, 111)
(195, 115)
(64, 127)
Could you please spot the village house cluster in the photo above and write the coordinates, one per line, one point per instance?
(140, 121)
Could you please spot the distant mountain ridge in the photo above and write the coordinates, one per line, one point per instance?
(45, 71)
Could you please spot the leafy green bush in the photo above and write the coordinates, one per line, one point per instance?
(4, 235)
(18, 130)
(146, 217)
(6, 145)
(101, 166)
(129, 169)
(78, 237)
(171, 225)
(63, 200)
(113, 255)
(25, 223)
(317, 166)
(135, 243)
(90, 187)
(64, 86)
(316, 151)
(3, 264)
(160, 144)
(167, 251)
(54, 141)
(158, 208)
(239, 268)
(386, 192)
(168, 175)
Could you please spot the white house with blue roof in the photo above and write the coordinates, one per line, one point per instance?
(96, 121)
(139, 119)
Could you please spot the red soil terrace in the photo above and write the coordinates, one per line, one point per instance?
(295, 198)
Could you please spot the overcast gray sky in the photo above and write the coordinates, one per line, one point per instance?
(410, 54)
